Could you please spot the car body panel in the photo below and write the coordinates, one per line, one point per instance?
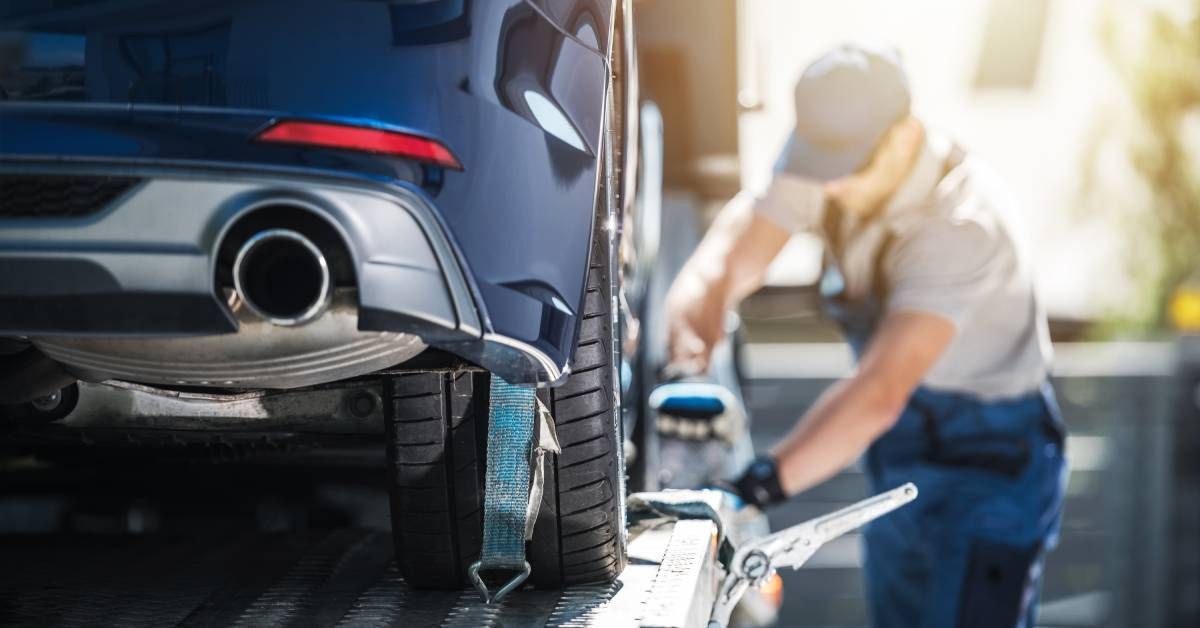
(516, 89)
(585, 20)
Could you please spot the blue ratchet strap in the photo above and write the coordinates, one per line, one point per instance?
(511, 414)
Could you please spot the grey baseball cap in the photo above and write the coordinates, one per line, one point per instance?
(845, 101)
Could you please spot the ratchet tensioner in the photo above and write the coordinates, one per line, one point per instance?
(756, 560)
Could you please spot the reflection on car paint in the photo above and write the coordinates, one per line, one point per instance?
(552, 120)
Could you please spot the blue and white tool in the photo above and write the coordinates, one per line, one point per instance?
(692, 410)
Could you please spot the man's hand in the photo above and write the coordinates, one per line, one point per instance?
(851, 414)
(728, 265)
(695, 323)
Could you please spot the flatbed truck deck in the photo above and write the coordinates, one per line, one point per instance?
(682, 572)
(342, 578)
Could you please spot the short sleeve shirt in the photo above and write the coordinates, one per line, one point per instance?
(953, 252)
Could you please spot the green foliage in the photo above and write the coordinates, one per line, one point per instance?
(1161, 71)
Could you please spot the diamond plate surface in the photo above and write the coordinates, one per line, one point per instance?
(340, 578)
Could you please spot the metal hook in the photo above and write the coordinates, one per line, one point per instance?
(481, 586)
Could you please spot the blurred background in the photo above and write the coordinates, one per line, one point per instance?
(1089, 110)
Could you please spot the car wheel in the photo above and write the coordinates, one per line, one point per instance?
(579, 536)
(436, 443)
(436, 435)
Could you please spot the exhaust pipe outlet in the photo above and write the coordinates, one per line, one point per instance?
(283, 277)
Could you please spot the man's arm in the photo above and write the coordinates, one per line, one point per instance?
(851, 414)
(727, 266)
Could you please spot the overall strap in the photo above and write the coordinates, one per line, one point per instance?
(831, 224)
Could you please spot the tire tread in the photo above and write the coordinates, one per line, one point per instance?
(433, 453)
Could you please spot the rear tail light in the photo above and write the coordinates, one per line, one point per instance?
(363, 139)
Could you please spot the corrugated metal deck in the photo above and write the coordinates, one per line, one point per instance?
(338, 578)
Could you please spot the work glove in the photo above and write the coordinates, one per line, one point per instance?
(758, 485)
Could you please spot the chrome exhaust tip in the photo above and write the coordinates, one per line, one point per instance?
(283, 277)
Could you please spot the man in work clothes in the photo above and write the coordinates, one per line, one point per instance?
(935, 296)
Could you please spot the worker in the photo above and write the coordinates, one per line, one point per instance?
(933, 291)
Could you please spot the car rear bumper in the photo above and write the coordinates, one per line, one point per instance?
(143, 262)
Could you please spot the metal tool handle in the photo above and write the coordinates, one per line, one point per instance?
(835, 524)
(795, 545)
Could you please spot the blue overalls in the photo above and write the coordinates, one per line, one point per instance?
(991, 474)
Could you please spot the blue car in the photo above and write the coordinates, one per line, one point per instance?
(274, 221)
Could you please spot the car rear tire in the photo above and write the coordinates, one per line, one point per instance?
(437, 434)
(579, 536)
(435, 454)
(436, 444)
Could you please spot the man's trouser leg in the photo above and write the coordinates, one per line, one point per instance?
(970, 550)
